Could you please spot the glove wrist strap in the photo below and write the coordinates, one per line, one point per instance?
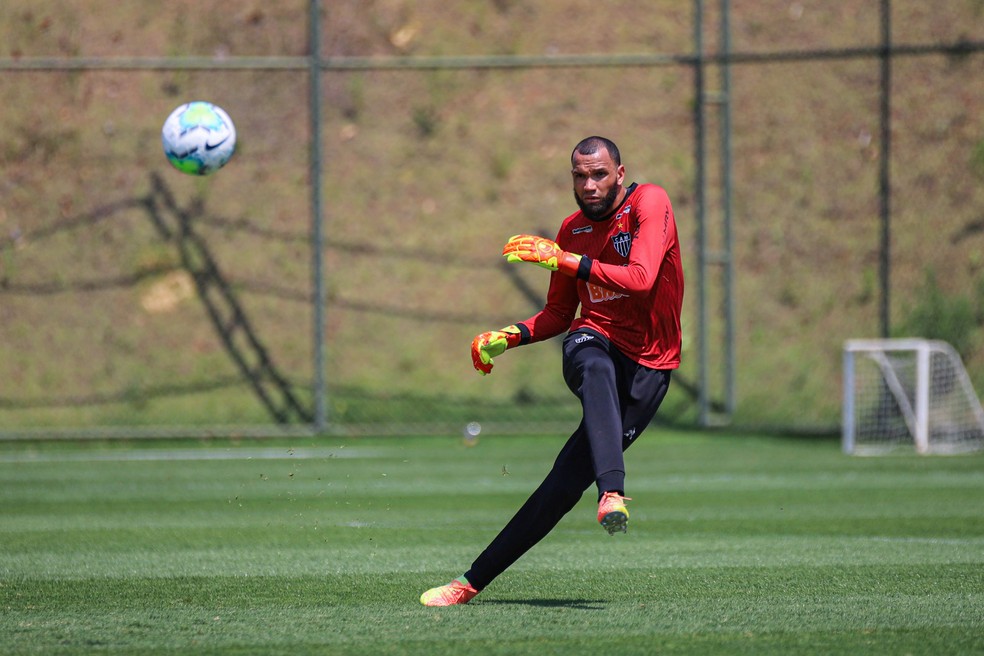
(513, 336)
(568, 264)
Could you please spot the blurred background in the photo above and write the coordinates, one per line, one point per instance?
(137, 300)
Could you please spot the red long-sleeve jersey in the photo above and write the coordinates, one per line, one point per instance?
(633, 291)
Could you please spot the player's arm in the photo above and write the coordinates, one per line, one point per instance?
(552, 320)
(555, 318)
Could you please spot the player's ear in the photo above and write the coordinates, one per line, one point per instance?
(620, 174)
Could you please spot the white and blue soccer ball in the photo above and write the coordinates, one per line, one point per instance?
(198, 138)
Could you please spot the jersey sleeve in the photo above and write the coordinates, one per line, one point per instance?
(649, 244)
(558, 312)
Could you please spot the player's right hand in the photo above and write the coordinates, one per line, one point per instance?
(541, 252)
(492, 344)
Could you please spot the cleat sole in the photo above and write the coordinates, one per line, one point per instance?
(615, 522)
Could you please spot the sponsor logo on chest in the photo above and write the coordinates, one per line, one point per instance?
(598, 294)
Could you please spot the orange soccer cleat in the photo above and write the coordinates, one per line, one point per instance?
(612, 513)
(451, 594)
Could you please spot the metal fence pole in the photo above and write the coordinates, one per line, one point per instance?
(884, 154)
(730, 394)
(317, 219)
(700, 196)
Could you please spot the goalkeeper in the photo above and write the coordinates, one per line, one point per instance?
(618, 258)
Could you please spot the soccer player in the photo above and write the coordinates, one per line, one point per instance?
(618, 258)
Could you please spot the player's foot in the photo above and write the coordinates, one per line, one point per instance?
(612, 513)
(451, 594)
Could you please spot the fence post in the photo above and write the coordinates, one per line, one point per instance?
(884, 180)
(317, 220)
(700, 196)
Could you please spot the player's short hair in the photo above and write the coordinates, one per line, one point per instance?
(591, 145)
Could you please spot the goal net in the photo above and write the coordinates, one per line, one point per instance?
(900, 393)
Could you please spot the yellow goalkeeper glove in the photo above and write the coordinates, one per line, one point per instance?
(542, 252)
(491, 344)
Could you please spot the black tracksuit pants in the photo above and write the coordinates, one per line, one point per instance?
(619, 398)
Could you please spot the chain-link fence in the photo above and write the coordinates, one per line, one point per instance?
(138, 301)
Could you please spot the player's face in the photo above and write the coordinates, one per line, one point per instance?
(597, 183)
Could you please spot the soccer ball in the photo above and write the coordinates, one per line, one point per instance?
(198, 138)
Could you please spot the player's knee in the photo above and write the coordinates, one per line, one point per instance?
(597, 365)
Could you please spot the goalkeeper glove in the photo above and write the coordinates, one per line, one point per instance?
(542, 252)
(491, 344)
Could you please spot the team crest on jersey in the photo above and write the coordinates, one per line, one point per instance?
(622, 242)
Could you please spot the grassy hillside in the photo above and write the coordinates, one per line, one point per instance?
(428, 171)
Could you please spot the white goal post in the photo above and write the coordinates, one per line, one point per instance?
(904, 392)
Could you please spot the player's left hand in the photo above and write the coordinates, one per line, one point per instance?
(542, 252)
(491, 344)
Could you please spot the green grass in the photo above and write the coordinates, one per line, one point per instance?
(737, 545)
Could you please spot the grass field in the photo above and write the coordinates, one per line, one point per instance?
(736, 545)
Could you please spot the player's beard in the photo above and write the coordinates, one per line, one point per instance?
(601, 209)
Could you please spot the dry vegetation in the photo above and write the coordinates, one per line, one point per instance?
(428, 171)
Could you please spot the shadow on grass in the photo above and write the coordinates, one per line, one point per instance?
(577, 604)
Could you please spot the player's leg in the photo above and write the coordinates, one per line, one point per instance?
(574, 470)
(591, 374)
(619, 398)
(641, 392)
(572, 473)
(560, 491)
(595, 371)
(644, 391)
